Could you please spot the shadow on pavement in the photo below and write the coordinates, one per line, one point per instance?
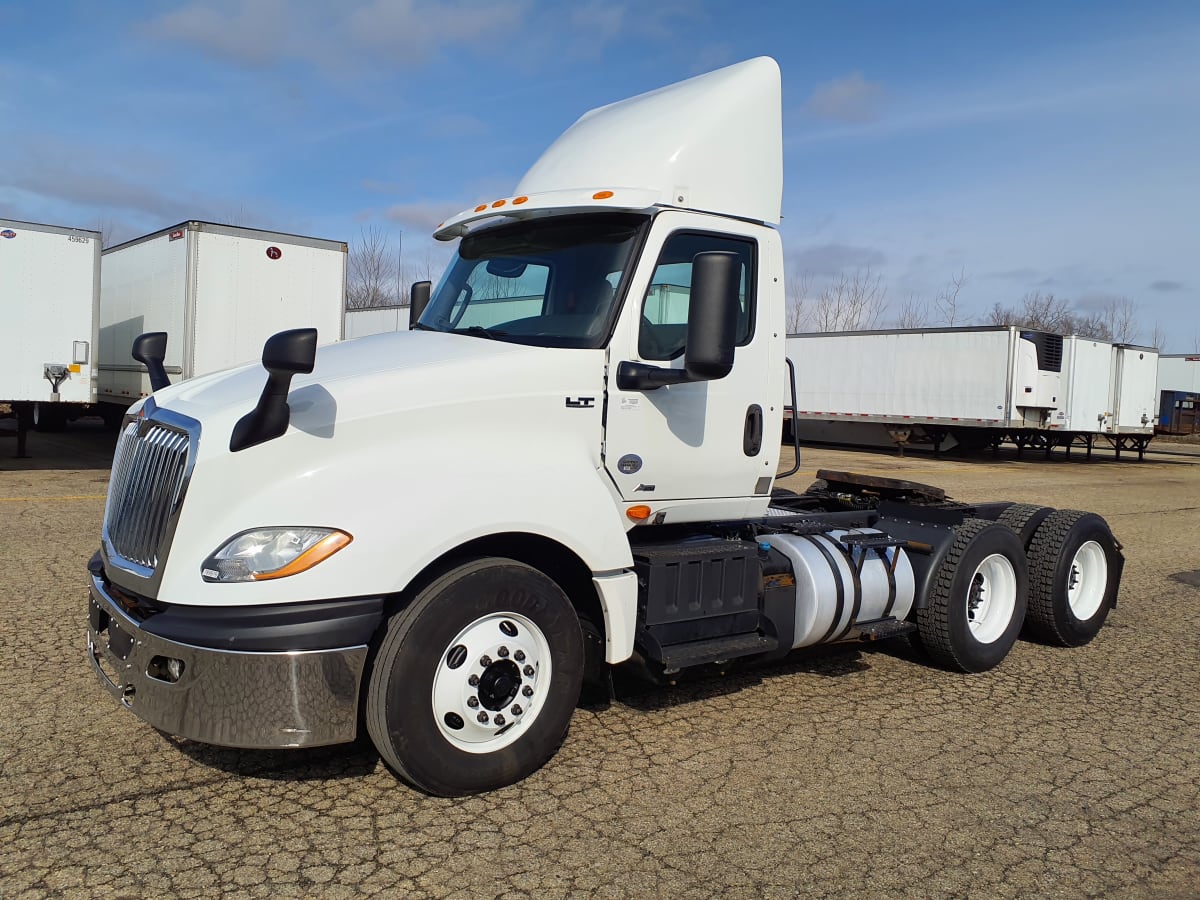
(316, 764)
(635, 690)
(82, 444)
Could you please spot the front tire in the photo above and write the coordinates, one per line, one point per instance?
(1075, 569)
(978, 599)
(474, 683)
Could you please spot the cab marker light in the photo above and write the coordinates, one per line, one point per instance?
(639, 513)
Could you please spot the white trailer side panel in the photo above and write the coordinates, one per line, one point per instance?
(1087, 372)
(1179, 373)
(250, 285)
(1135, 389)
(143, 288)
(50, 290)
(375, 320)
(960, 376)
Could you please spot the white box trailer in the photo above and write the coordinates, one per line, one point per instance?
(936, 386)
(50, 286)
(219, 292)
(1087, 371)
(971, 387)
(1110, 393)
(1134, 383)
(368, 320)
(1179, 393)
(1179, 372)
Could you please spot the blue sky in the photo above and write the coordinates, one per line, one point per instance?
(1049, 146)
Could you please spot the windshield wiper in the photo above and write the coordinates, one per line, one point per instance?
(480, 331)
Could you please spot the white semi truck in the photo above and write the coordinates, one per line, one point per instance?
(594, 483)
(217, 292)
(50, 289)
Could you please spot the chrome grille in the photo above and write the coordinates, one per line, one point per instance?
(147, 478)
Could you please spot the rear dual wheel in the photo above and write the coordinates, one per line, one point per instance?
(978, 598)
(1075, 569)
(475, 681)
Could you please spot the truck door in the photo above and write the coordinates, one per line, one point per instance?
(712, 440)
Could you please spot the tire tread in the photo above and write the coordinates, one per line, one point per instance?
(934, 619)
(1044, 552)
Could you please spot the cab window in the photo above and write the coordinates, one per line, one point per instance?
(663, 333)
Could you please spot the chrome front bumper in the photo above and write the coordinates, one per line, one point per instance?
(228, 698)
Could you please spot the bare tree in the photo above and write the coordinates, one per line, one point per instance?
(946, 301)
(851, 303)
(371, 279)
(1120, 315)
(914, 313)
(1095, 326)
(798, 288)
(1158, 336)
(1041, 312)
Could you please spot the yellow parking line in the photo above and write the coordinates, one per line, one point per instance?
(67, 497)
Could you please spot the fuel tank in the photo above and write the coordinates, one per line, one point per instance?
(839, 583)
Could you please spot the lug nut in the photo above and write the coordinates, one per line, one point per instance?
(473, 681)
(527, 691)
(482, 717)
(502, 652)
(528, 671)
(485, 660)
(519, 656)
(499, 721)
(516, 710)
(473, 702)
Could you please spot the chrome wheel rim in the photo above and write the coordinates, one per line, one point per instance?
(491, 682)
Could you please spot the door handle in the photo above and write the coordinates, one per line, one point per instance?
(752, 435)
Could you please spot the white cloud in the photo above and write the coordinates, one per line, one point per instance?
(833, 259)
(422, 217)
(848, 99)
(349, 35)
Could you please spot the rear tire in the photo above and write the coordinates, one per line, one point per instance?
(1024, 519)
(474, 683)
(1075, 572)
(977, 602)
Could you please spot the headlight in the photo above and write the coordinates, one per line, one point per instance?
(266, 553)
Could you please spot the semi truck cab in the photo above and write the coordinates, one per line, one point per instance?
(437, 536)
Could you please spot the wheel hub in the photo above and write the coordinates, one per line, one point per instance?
(498, 685)
(491, 682)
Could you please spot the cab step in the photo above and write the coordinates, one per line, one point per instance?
(715, 650)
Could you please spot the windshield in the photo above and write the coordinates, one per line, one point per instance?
(552, 282)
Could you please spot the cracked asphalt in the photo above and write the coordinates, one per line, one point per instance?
(1063, 773)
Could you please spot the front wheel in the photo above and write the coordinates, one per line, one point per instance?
(474, 683)
(977, 602)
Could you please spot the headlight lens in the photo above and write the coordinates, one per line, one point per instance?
(266, 553)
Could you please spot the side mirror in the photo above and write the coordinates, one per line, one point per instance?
(418, 299)
(711, 329)
(712, 316)
(150, 349)
(285, 354)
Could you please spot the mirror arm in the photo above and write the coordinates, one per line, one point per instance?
(633, 376)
